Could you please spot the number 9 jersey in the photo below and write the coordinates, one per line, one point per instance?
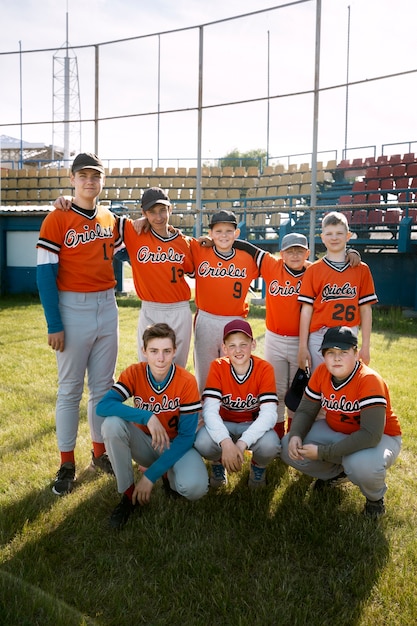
(336, 293)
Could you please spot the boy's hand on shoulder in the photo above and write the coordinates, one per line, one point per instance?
(353, 257)
(140, 225)
(205, 241)
(63, 203)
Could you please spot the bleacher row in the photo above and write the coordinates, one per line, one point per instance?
(227, 185)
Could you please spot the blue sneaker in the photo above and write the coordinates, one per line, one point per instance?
(218, 476)
(257, 476)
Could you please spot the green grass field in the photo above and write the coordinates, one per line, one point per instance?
(283, 556)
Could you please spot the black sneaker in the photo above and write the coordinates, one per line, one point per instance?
(321, 484)
(122, 513)
(374, 509)
(65, 479)
(101, 462)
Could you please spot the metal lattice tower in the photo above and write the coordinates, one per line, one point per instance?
(66, 108)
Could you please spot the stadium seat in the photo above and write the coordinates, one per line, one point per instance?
(359, 198)
(384, 171)
(372, 184)
(409, 157)
(375, 216)
(382, 160)
(392, 216)
(371, 172)
(401, 183)
(347, 199)
(373, 198)
(359, 217)
(412, 170)
(399, 170)
(359, 185)
(395, 159)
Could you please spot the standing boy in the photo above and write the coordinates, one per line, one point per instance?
(76, 285)
(223, 276)
(160, 257)
(239, 409)
(360, 434)
(334, 293)
(159, 431)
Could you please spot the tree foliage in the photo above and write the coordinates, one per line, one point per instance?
(245, 159)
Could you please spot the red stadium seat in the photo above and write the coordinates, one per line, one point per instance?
(359, 198)
(375, 216)
(409, 157)
(384, 171)
(399, 170)
(373, 184)
(401, 183)
(374, 198)
(392, 216)
(345, 200)
(359, 217)
(359, 185)
(387, 184)
(382, 160)
(371, 172)
(412, 170)
(395, 159)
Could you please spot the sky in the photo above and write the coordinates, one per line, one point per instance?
(267, 54)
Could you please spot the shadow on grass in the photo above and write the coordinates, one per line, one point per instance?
(279, 555)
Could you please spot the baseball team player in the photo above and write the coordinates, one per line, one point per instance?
(158, 432)
(160, 258)
(223, 275)
(239, 409)
(76, 283)
(333, 294)
(360, 435)
(283, 278)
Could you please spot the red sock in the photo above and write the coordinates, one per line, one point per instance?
(98, 449)
(289, 420)
(280, 429)
(129, 491)
(67, 457)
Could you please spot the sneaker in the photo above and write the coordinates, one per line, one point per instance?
(122, 513)
(374, 508)
(102, 462)
(218, 476)
(65, 479)
(321, 484)
(257, 476)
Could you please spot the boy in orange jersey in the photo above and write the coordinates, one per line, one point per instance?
(239, 409)
(283, 279)
(160, 258)
(223, 275)
(76, 285)
(158, 432)
(333, 294)
(360, 435)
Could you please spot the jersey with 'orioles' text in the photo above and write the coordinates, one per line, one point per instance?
(343, 402)
(336, 293)
(159, 264)
(178, 396)
(241, 398)
(222, 282)
(84, 245)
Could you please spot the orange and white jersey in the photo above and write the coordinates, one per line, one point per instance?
(241, 398)
(84, 246)
(179, 395)
(159, 265)
(343, 403)
(222, 282)
(282, 289)
(336, 294)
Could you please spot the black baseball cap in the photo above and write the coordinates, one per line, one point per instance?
(223, 216)
(340, 337)
(154, 195)
(87, 160)
(295, 392)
